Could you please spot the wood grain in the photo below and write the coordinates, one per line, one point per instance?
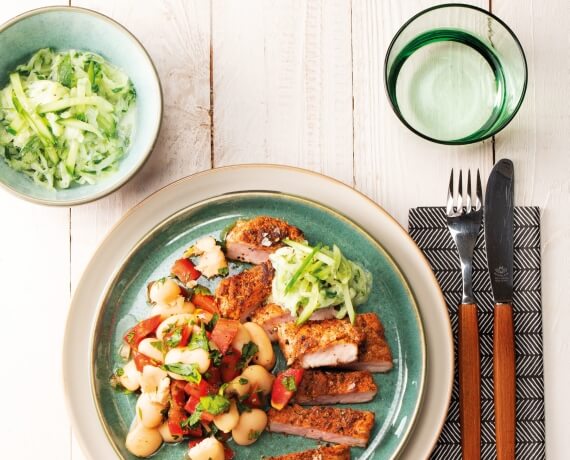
(34, 269)
(283, 85)
(504, 381)
(537, 142)
(392, 165)
(469, 381)
(181, 53)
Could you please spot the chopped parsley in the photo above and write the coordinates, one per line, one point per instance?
(242, 405)
(158, 345)
(243, 381)
(199, 340)
(213, 404)
(289, 383)
(189, 372)
(199, 289)
(174, 339)
(253, 435)
(224, 271)
(248, 351)
(212, 323)
(120, 372)
(216, 357)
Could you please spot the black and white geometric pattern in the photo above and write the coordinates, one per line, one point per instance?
(427, 226)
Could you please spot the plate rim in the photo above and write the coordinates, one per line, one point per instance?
(431, 431)
(164, 223)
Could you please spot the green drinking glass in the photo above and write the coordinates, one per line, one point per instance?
(455, 74)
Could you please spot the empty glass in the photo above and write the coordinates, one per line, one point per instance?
(455, 74)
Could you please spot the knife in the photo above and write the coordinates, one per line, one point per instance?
(499, 244)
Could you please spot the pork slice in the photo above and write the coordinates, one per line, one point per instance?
(323, 387)
(253, 240)
(341, 426)
(374, 353)
(239, 295)
(338, 452)
(330, 342)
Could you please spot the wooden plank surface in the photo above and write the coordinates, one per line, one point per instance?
(34, 269)
(295, 82)
(391, 165)
(282, 84)
(537, 142)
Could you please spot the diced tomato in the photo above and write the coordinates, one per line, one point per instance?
(228, 367)
(255, 398)
(206, 417)
(185, 271)
(143, 329)
(280, 394)
(228, 453)
(224, 332)
(194, 442)
(142, 360)
(190, 406)
(205, 302)
(186, 334)
(214, 377)
(176, 412)
(197, 389)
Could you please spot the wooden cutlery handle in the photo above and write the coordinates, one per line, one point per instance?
(469, 382)
(504, 381)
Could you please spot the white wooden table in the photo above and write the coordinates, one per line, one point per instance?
(293, 82)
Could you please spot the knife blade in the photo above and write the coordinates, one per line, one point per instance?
(499, 244)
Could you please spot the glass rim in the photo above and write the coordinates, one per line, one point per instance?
(456, 142)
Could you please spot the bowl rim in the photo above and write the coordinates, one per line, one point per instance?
(146, 154)
(454, 141)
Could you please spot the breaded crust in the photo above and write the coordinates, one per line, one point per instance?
(297, 342)
(331, 424)
(374, 352)
(237, 296)
(254, 239)
(324, 387)
(339, 452)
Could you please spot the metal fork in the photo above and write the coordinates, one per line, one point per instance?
(464, 223)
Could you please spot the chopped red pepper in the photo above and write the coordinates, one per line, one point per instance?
(197, 389)
(194, 442)
(285, 386)
(224, 332)
(228, 453)
(228, 367)
(205, 302)
(142, 360)
(190, 406)
(185, 271)
(143, 329)
(176, 412)
(255, 398)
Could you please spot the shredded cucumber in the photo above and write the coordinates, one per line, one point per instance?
(66, 117)
(309, 278)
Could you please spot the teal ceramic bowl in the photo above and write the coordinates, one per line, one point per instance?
(77, 28)
(124, 304)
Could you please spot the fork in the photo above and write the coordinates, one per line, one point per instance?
(464, 225)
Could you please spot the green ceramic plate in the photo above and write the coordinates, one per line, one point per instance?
(400, 391)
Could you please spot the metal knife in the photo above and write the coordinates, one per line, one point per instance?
(499, 244)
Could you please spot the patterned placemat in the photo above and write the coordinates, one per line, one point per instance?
(427, 226)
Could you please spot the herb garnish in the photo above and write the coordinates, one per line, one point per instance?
(189, 372)
(248, 351)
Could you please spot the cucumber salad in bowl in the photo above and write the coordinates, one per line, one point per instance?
(66, 117)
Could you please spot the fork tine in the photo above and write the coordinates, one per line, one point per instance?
(468, 197)
(460, 193)
(479, 201)
(449, 207)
